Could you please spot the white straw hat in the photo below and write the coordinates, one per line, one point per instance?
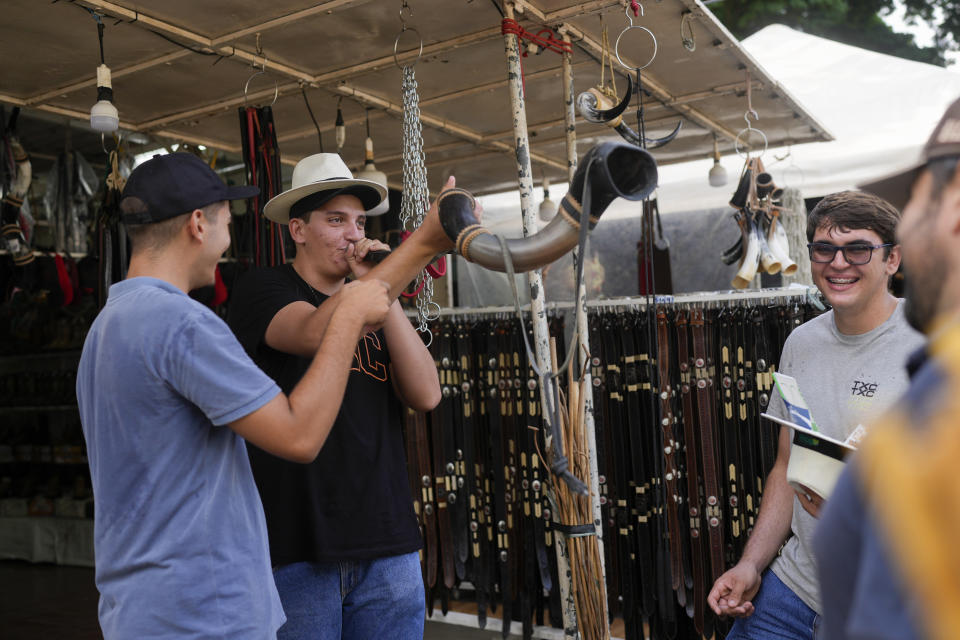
(326, 174)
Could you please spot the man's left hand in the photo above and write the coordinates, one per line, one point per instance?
(810, 500)
(358, 251)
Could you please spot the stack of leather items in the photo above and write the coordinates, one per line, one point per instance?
(681, 450)
(479, 478)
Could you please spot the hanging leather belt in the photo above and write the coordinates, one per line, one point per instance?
(691, 446)
(624, 487)
(748, 423)
(764, 386)
(418, 437)
(708, 446)
(671, 474)
(444, 467)
(605, 452)
(498, 407)
(471, 496)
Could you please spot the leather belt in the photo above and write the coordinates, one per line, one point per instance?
(708, 456)
(444, 466)
(694, 499)
(671, 473)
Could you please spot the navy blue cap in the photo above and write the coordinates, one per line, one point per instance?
(173, 184)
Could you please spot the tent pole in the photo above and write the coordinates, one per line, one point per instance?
(584, 335)
(538, 319)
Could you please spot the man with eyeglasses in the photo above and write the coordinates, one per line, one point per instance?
(887, 546)
(849, 364)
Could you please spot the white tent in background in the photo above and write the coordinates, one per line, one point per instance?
(880, 108)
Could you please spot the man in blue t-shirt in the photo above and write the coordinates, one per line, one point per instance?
(167, 397)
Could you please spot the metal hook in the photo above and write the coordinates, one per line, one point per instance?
(276, 86)
(103, 142)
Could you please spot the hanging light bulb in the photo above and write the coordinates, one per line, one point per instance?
(341, 127)
(370, 172)
(718, 175)
(104, 117)
(548, 209)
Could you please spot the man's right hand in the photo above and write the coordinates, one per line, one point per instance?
(431, 230)
(368, 300)
(733, 592)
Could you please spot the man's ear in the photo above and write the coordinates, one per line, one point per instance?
(296, 226)
(893, 260)
(196, 224)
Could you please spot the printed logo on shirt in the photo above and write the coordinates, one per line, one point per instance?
(368, 358)
(868, 389)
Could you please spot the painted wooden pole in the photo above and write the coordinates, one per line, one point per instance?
(584, 337)
(538, 314)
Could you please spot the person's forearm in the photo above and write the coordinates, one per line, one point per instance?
(773, 523)
(415, 373)
(315, 401)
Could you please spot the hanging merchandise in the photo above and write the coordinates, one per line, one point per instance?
(599, 104)
(479, 477)
(17, 175)
(71, 183)
(758, 202)
(653, 249)
(416, 195)
(266, 242)
(112, 259)
(340, 128)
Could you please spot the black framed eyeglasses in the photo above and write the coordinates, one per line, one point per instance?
(857, 254)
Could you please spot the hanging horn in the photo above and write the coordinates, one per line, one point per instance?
(751, 254)
(609, 170)
(779, 244)
(596, 107)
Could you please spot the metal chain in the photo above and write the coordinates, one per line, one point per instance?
(416, 196)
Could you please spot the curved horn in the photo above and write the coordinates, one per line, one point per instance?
(590, 105)
(633, 137)
(615, 170)
(654, 143)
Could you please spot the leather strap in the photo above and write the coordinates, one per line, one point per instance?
(671, 475)
(705, 417)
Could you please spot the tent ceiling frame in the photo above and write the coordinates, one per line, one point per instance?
(338, 82)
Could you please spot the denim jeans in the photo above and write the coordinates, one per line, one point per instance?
(777, 613)
(381, 598)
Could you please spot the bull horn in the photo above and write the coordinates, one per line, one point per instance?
(590, 104)
(610, 170)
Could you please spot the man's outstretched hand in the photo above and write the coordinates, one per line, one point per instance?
(733, 592)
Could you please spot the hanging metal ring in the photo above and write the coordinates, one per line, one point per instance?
(396, 43)
(616, 47)
(747, 147)
(435, 315)
(276, 87)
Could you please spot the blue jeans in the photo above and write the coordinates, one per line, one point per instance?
(381, 598)
(777, 613)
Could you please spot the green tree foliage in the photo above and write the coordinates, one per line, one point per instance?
(855, 22)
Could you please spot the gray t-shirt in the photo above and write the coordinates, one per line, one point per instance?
(845, 380)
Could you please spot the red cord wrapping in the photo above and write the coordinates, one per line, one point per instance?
(508, 25)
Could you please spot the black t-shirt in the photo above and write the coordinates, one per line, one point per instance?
(353, 502)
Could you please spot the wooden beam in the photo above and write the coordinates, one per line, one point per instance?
(91, 81)
(327, 7)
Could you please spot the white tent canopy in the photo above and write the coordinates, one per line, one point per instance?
(880, 108)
